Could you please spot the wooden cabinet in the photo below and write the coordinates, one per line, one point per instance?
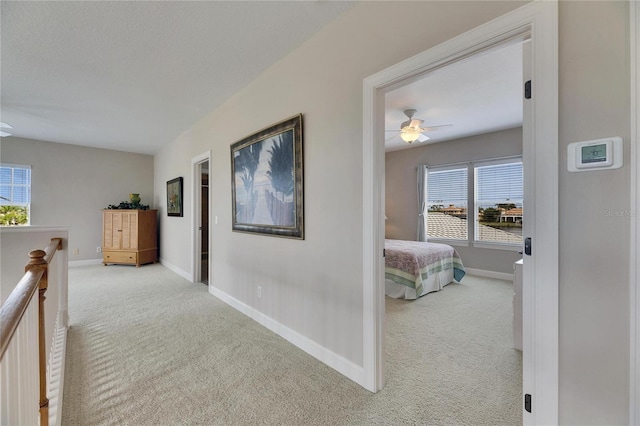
(129, 236)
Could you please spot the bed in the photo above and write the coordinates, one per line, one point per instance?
(413, 269)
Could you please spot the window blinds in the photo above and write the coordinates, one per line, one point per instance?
(15, 185)
(446, 187)
(498, 184)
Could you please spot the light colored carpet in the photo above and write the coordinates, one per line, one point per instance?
(146, 347)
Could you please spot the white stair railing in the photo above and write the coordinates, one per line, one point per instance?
(19, 371)
(23, 347)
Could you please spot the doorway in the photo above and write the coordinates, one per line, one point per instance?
(463, 148)
(538, 21)
(204, 222)
(201, 212)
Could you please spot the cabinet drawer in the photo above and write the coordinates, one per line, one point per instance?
(120, 257)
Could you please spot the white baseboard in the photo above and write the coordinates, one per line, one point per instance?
(55, 371)
(187, 276)
(489, 274)
(85, 262)
(343, 366)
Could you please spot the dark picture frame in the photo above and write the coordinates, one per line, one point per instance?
(174, 197)
(267, 181)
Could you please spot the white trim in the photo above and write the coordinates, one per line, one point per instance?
(634, 258)
(184, 274)
(32, 228)
(489, 274)
(455, 243)
(540, 20)
(74, 263)
(55, 371)
(497, 246)
(497, 161)
(447, 167)
(196, 211)
(333, 360)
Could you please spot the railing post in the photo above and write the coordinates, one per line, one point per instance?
(38, 262)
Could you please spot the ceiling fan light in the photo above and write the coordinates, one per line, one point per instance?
(409, 135)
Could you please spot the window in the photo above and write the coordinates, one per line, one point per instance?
(498, 201)
(15, 194)
(447, 203)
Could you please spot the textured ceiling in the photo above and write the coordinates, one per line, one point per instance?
(133, 76)
(476, 95)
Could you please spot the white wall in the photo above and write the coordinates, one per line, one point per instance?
(401, 203)
(594, 245)
(71, 184)
(313, 287)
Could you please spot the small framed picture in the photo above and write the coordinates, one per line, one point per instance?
(174, 197)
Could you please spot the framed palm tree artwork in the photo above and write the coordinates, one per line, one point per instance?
(267, 181)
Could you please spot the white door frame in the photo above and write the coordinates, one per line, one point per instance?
(540, 308)
(634, 258)
(196, 184)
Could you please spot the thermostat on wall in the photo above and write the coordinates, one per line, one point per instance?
(595, 155)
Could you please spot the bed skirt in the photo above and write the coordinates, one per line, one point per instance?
(434, 282)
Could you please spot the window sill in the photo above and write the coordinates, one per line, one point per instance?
(459, 243)
(498, 246)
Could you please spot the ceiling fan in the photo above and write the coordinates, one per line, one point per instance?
(411, 130)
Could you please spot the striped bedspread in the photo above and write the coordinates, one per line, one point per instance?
(411, 262)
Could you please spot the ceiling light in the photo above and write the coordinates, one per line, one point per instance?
(409, 135)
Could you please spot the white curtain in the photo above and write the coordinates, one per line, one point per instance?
(423, 172)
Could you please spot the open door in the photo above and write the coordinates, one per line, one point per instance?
(201, 209)
(525, 275)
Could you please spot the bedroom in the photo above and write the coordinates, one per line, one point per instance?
(478, 105)
(472, 112)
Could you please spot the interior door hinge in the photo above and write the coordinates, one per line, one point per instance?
(527, 90)
(527, 402)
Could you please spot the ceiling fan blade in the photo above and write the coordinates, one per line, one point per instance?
(392, 137)
(415, 122)
(5, 125)
(397, 131)
(423, 138)
(435, 127)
